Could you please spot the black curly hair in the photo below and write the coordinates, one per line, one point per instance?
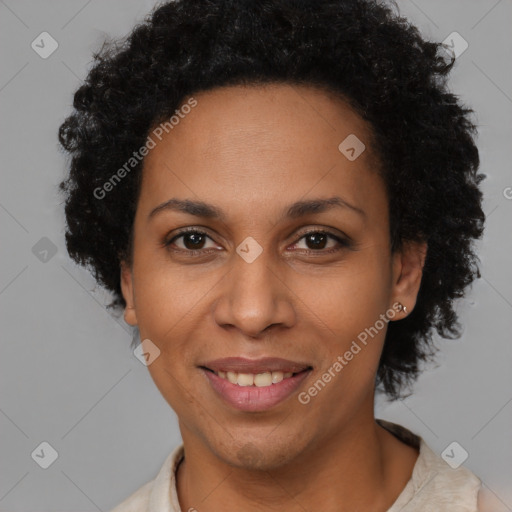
(360, 50)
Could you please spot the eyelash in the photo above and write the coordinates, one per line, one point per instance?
(344, 243)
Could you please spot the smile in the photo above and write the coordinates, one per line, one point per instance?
(254, 392)
(259, 380)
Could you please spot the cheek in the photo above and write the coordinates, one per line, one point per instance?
(166, 296)
(351, 307)
(351, 297)
(188, 406)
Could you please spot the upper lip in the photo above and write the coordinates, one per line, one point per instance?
(265, 364)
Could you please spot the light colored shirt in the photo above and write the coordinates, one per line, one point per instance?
(434, 485)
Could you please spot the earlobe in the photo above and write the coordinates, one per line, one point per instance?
(407, 273)
(130, 315)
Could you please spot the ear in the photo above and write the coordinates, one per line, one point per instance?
(408, 265)
(130, 315)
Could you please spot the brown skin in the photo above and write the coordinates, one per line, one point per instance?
(252, 151)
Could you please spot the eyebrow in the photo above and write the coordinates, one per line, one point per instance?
(294, 211)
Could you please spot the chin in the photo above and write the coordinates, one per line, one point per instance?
(260, 455)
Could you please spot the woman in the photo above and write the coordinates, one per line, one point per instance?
(282, 197)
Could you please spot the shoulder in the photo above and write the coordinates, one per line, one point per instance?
(159, 493)
(435, 485)
(444, 487)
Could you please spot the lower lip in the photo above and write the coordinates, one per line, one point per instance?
(253, 398)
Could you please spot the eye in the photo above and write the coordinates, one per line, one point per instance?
(192, 242)
(317, 240)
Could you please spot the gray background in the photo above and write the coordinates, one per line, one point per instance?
(67, 373)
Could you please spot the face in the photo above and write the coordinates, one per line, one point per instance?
(257, 286)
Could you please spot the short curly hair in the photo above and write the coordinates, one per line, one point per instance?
(360, 50)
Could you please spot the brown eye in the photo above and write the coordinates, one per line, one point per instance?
(318, 241)
(191, 241)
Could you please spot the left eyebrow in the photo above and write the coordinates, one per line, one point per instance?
(301, 208)
(294, 211)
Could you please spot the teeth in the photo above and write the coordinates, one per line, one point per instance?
(262, 379)
(250, 379)
(245, 379)
(277, 377)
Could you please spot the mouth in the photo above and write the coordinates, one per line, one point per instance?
(260, 380)
(254, 385)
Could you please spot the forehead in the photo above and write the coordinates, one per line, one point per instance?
(271, 117)
(250, 144)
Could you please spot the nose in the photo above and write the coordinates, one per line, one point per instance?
(254, 298)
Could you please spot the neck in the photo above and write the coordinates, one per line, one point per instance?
(356, 469)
